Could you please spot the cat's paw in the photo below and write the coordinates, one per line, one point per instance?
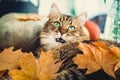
(68, 51)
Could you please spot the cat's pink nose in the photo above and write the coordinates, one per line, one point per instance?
(60, 40)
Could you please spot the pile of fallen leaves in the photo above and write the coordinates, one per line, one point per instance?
(23, 66)
(99, 55)
(92, 56)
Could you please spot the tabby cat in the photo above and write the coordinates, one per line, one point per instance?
(61, 29)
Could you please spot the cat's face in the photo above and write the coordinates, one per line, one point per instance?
(60, 29)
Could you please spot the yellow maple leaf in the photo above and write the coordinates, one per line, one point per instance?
(88, 59)
(110, 57)
(108, 61)
(31, 68)
(98, 55)
(9, 59)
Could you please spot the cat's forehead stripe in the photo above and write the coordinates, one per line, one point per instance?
(66, 18)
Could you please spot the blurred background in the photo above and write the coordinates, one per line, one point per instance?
(93, 7)
(105, 13)
(97, 10)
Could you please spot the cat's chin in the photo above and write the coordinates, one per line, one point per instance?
(52, 45)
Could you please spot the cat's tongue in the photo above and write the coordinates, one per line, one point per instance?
(60, 40)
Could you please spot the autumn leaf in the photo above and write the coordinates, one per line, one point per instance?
(31, 68)
(98, 55)
(115, 50)
(88, 59)
(100, 44)
(109, 57)
(9, 59)
(108, 61)
(27, 68)
(25, 17)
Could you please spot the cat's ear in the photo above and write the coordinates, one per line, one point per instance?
(82, 18)
(54, 11)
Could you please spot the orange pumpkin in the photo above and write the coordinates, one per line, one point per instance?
(94, 30)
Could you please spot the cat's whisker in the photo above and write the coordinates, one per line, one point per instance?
(34, 40)
(43, 36)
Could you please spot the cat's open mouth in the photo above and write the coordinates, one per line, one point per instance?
(60, 40)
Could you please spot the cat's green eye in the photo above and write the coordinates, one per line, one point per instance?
(57, 24)
(71, 28)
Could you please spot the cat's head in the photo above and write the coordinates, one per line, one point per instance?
(61, 28)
